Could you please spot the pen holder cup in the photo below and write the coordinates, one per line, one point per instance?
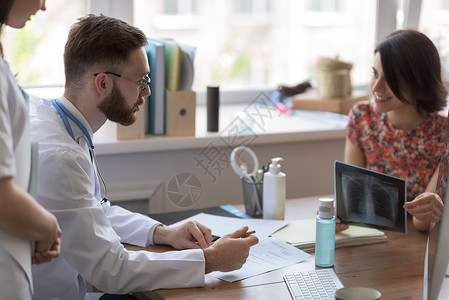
(252, 197)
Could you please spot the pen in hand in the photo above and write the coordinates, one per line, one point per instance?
(248, 233)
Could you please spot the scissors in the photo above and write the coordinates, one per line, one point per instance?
(244, 165)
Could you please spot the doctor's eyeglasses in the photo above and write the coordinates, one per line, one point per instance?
(144, 83)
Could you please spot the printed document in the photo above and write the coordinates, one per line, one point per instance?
(268, 255)
(224, 225)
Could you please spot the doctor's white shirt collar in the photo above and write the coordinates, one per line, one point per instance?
(77, 114)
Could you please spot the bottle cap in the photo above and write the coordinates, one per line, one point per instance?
(275, 167)
(326, 208)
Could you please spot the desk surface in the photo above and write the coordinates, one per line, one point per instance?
(395, 268)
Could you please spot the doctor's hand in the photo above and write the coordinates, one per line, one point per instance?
(230, 251)
(190, 235)
(44, 253)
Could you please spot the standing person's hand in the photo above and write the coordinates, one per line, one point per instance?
(48, 249)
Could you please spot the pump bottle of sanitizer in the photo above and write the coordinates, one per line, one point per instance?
(325, 233)
(274, 191)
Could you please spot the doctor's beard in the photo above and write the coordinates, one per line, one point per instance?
(116, 110)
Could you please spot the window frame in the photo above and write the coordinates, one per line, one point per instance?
(386, 22)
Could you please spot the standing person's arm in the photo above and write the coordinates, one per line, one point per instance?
(22, 216)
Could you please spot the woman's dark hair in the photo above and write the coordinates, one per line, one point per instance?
(411, 64)
(5, 7)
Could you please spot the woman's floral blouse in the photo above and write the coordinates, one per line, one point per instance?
(409, 154)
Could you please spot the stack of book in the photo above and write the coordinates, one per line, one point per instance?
(171, 69)
(170, 109)
(301, 234)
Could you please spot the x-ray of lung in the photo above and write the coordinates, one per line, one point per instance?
(368, 199)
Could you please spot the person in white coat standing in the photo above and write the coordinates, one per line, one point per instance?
(107, 77)
(24, 224)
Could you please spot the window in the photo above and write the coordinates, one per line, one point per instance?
(253, 6)
(34, 53)
(241, 44)
(254, 44)
(434, 22)
(323, 5)
(180, 7)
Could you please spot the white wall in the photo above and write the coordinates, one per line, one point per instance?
(307, 164)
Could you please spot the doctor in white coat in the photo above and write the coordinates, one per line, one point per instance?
(24, 225)
(106, 72)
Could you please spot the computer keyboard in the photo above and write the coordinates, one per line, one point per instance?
(313, 284)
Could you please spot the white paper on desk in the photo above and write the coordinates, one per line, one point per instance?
(223, 225)
(268, 255)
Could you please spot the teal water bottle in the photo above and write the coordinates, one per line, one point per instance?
(325, 233)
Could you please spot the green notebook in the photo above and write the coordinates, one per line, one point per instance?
(301, 234)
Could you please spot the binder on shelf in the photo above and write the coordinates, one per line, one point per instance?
(156, 110)
(181, 115)
(173, 57)
(187, 67)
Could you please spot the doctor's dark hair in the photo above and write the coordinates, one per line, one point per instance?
(101, 43)
(411, 65)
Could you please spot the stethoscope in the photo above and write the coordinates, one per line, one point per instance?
(64, 113)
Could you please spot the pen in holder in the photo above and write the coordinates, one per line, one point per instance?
(252, 197)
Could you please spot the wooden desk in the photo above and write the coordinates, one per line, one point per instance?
(394, 267)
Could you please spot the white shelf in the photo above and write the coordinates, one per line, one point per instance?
(263, 129)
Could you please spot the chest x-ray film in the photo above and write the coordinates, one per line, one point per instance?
(368, 198)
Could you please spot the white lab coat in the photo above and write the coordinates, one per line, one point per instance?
(92, 233)
(15, 253)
